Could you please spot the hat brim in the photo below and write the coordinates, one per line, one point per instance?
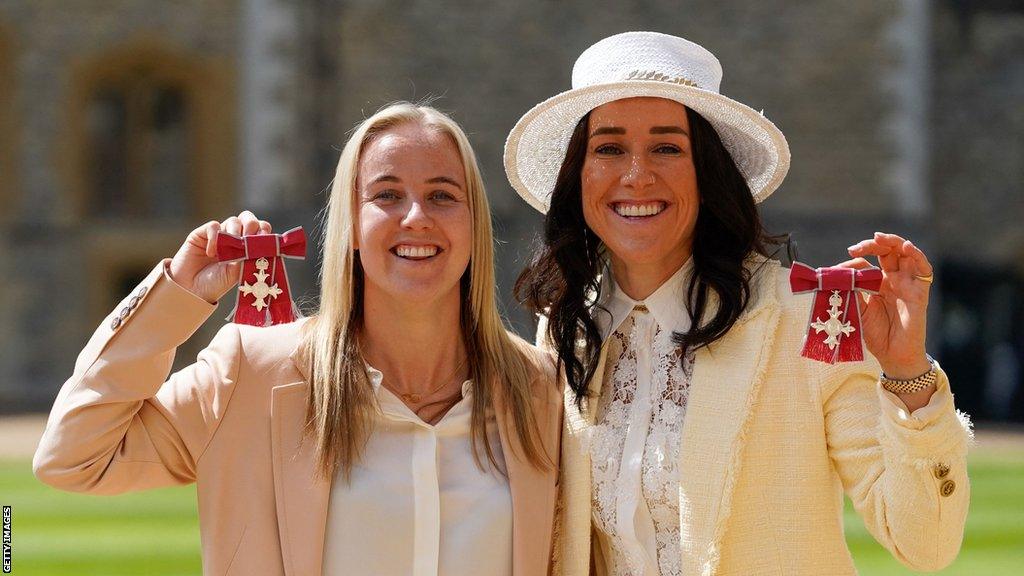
(536, 147)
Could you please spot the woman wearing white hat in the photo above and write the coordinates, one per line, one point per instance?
(697, 440)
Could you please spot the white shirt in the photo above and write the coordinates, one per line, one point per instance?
(417, 503)
(634, 445)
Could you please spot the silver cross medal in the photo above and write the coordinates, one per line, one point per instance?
(833, 326)
(260, 290)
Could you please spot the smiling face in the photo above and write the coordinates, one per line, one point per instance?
(414, 226)
(639, 185)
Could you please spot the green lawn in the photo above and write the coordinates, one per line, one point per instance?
(156, 533)
(59, 533)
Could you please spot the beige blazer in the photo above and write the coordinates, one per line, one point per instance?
(231, 422)
(769, 443)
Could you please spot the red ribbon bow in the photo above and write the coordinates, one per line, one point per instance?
(263, 297)
(833, 330)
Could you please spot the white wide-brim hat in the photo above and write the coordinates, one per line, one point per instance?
(634, 64)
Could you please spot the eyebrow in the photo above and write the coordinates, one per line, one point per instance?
(608, 130)
(654, 130)
(668, 130)
(434, 180)
(385, 178)
(444, 180)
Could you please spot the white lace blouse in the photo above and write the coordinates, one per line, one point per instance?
(635, 442)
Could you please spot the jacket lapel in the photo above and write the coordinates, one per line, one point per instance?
(533, 495)
(723, 388)
(301, 498)
(572, 540)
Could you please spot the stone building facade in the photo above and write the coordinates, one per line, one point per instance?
(902, 115)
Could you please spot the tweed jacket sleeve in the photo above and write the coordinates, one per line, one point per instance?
(116, 425)
(905, 474)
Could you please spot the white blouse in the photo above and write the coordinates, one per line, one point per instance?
(635, 443)
(417, 503)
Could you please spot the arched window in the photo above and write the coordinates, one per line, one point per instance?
(149, 154)
(152, 138)
(137, 148)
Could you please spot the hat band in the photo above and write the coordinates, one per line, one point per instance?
(660, 77)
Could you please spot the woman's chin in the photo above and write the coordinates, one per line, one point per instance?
(640, 253)
(418, 289)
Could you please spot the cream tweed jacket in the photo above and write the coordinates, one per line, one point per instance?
(770, 443)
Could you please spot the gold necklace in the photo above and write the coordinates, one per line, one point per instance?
(416, 397)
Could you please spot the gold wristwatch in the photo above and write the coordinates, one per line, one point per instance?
(912, 385)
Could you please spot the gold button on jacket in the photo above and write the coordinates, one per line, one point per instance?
(948, 487)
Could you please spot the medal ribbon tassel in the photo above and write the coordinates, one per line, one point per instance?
(262, 257)
(834, 330)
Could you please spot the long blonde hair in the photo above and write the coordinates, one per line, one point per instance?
(341, 401)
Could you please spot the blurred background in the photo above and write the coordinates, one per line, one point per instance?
(124, 124)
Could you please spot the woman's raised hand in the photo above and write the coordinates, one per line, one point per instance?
(195, 266)
(894, 321)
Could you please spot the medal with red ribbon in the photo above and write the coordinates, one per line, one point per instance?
(833, 330)
(263, 297)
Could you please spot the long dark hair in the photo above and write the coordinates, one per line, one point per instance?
(568, 260)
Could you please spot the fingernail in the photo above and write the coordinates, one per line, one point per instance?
(852, 248)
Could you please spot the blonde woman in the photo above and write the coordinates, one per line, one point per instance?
(399, 430)
(698, 441)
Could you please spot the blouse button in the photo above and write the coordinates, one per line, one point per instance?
(941, 470)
